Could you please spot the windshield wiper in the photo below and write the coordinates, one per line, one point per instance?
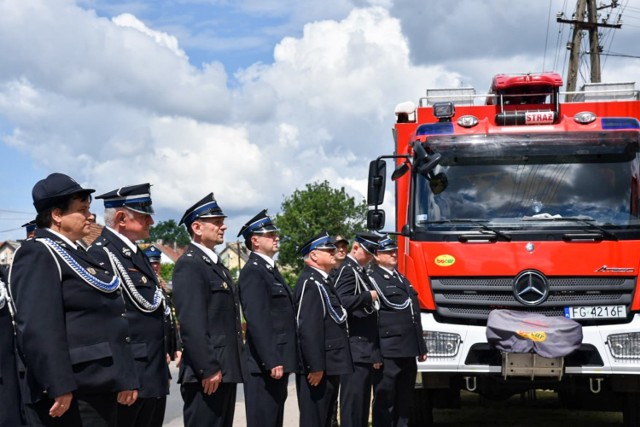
(583, 219)
(477, 223)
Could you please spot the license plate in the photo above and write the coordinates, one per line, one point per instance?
(596, 312)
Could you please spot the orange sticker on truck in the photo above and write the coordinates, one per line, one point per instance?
(444, 260)
(537, 336)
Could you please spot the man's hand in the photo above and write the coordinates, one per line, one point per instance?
(60, 405)
(314, 378)
(178, 358)
(210, 384)
(127, 397)
(277, 372)
(374, 296)
(377, 365)
(422, 357)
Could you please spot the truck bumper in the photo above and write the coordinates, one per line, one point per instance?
(474, 356)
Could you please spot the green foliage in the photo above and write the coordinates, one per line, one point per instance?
(166, 271)
(169, 232)
(307, 212)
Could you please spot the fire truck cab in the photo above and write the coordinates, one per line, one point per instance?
(520, 200)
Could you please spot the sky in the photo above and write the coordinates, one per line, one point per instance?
(249, 99)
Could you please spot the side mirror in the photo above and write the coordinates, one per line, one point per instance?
(429, 164)
(400, 171)
(376, 184)
(375, 219)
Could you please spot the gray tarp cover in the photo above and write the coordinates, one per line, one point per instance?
(521, 332)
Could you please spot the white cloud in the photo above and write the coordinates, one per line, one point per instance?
(117, 103)
(127, 20)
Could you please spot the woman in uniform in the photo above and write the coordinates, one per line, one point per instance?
(71, 318)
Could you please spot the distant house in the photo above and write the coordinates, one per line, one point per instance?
(169, 253)
(7, 250)
(234, 255)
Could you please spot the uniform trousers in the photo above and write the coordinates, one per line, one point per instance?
(264, 399)
(145, 412)
(355, 396)
(210, 410)
(393, 392)
(99, 410)
(314, 403)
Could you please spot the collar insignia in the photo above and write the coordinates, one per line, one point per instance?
(144, 279)
(126, 252)
(206, 259)
(91, 271)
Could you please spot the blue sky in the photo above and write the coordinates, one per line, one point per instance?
(250, 99)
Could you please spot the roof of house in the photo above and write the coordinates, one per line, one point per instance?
(12, 244)
(94, 233)
(233, 247)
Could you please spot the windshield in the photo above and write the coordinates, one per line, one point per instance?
(517, 186)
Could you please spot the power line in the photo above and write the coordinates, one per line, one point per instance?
(621, 55)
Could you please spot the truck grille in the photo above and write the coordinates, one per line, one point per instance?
(473, 298)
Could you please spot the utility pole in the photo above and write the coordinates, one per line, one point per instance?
(592, 25)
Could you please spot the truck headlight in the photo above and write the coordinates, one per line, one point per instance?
(625, 346)
(441, 344)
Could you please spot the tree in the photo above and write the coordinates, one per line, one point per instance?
(307, 212)
(169, 233)
(166, 271)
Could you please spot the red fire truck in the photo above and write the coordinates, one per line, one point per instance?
(519, 200)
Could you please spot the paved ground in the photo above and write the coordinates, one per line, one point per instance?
(173, 415)
(476, 411)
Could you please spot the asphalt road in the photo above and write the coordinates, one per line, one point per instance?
(173, 414)
(542, 411)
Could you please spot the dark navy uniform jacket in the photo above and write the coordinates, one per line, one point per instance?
(208, 308)
(147, 329)
(400, 329)
(269, 310)
(324, 343)
(74, 338)
(9, 388)
(363, 319)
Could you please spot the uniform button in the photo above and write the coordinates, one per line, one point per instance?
(124, 315)
(127, 340)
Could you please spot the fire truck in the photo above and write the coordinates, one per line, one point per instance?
(525, 199)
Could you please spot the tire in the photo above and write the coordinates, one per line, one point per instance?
(631, 410)
(422, 410)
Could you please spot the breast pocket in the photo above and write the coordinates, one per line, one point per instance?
(219, 286)
(139, 279)
(395, 294)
